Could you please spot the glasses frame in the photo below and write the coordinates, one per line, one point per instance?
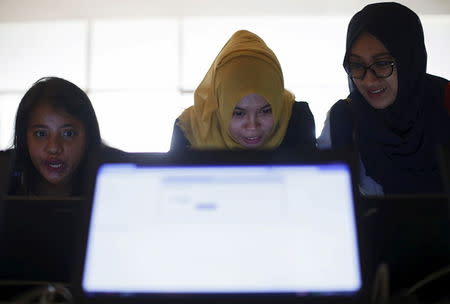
(392, 64)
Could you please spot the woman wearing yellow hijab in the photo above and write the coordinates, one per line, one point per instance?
(242, 103)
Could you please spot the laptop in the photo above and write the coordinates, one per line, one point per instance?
(37, 234)
(38, 238)
(410, 233)
(220, 226)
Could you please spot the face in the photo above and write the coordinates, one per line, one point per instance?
(56, 143)
(379, 92)
(252, 121)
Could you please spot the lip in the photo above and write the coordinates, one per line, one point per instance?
(54, 165)
(376, 93)
(252, 140)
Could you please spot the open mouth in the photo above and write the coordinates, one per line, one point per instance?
(376, 92)
(252, 140)
(54, 165)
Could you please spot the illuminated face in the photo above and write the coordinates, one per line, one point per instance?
(252, 121)
(56, 143)
(378, 92)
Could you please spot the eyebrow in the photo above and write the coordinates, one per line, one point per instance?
(375, 56)
(242, 109)
(40, 126)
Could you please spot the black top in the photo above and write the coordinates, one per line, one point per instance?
(397, 144)
(4, 172)
(398, 173)
(301, 132)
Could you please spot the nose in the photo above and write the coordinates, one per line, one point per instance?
(369, 76)
(252, 122)
(54, 145)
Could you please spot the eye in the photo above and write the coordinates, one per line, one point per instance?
(383, 64)
(69, 133)
(238, 113)
(40, 133)
(354, 66)
(267, 110)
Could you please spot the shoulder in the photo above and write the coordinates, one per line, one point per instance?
(439, 89)
(300, 106)
(179, 141)
(437, 101)
(437, 81)
(6, 158)
(11, 175)
(341, 110)
(301, 112)
(447, 97)
(301, 131)
(7, 154)
(442, 86)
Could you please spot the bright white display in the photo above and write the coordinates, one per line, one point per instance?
(222, 229)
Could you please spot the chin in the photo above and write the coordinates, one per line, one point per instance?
(58, 180)
(54, 182)
(247, 146)
(379, 104)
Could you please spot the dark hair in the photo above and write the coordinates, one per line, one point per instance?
(61, 95)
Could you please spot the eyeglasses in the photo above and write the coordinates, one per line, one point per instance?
(381, 69)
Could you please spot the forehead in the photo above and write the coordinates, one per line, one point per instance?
(368, 46)
(252, 101)
(45, 114)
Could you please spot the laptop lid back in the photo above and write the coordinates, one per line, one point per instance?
(221, 225)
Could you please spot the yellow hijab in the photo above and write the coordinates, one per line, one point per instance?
(245, 65)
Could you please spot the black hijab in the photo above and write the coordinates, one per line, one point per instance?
(398, 143)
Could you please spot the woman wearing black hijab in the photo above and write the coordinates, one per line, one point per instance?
(396, 114)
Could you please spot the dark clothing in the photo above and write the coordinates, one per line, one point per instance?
(5, 165)
(415, 170)
(179, 141)
(397, 144)
(301, 132)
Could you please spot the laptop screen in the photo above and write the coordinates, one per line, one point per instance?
(266, 228)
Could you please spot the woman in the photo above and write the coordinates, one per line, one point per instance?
(396, 114)
(242, 103)
(55, 129)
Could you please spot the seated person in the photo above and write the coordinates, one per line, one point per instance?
(396, 114)
(55, 130)
(242, 104)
